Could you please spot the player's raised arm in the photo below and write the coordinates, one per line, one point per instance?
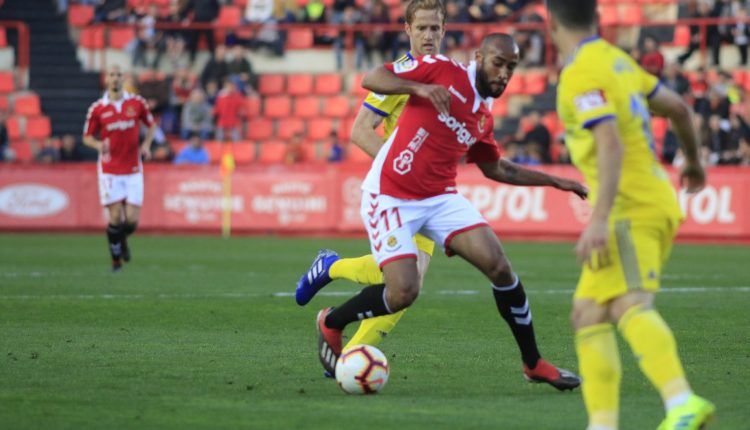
(666, 103)
(508, 172)
(386, 80)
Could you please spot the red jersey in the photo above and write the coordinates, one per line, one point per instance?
(228, 109)
(119, 122)
(421, 157)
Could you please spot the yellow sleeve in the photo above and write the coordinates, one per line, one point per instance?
(649, 83)
(383, 105)
(589, 97)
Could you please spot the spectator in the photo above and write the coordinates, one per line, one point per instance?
(228, 110)
(718, 139)
(241, 71)
(314, 12)
(194, 153)
(702, 10)
(336, 153)
(715, 104)
(196, 116)
(743, 153)
(148, 39)
(217, 69)
(726, 87)
(73, 151)
(536, 139)
(454, 14)
(673, 79)
(652, 60)
(351, 16)
(155, 90)
(49, 153)
(381, 41)
(3, 136)
(738, 132)
(110, 11)
(204, 12)
(176, 57)
(295, 150)
(741, 31)
(258, 11)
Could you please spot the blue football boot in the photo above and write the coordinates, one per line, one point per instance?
(316, 277)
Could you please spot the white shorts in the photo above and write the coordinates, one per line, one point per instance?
(391, 223)
(121, 188)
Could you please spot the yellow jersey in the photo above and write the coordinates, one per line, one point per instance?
(601, 82)
(388, 106)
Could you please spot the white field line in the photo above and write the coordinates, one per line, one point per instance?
(5, 297)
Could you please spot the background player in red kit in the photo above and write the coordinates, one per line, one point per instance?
(411, 188)
(113, 128)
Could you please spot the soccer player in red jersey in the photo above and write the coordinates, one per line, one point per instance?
(113, 128)
(411, 187)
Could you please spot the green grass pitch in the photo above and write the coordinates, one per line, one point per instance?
(200, 332)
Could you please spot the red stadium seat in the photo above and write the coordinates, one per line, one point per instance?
(336, 107)
(3, 38)
(277, 107)
(307, 107)
(355, 154)
(536, 82)
(356, 85)
(289, 127)
(500, 108)
(241, 3)
(631, 14)
(319, 129)
(243, 152)
(681, 35)
(344, 129)
(269, 85)
(328, 84)
(27, 105)
(214, 149)
(659, 128)
(299, 84)
(252, 107)
(272, 153)
(38, 127)
(229, 16)
(14, 127)
(120, 37)
(739, 76)
(80, 15)
(23, 151)
(515, 86)
(608, 14)
(92, 37)
(6, 82)
(299, 38)
(4, 105)
(259, 129)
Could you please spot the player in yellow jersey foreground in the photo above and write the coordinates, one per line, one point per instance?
(604, 99)
(425, 21)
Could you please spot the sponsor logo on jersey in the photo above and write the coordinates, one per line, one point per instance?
(402, 163)
(457, 94)
(378, 97)
(463, 135)
(107, 114)
(130, 111)
(32, 200)
(590, 100)
(405, 66)
(120, 125)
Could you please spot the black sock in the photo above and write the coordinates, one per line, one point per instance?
(370, 302)
(514, 307)
(114, 236)
(129, 228)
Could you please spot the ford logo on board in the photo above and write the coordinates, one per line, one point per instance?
(32, 200)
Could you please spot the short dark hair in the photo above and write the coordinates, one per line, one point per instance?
(415, 5)
(574, 14)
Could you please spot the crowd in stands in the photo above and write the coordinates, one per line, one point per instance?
(212, 104)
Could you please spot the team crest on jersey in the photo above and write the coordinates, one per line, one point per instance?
(482, 122)
(405, 66)
(392, 243)
(590, 100)
(130, 111)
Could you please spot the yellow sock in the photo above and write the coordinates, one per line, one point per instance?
(362, 270)
(599, 364)
(372, 331)
(654, 345)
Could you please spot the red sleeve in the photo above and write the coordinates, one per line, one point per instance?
(423, 69)
(145, 116)
(91, 126)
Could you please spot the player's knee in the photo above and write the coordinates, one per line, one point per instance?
(501, 273)
(403, 296)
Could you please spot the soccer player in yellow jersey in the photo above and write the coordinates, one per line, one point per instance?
(425, 25)
(605, 99)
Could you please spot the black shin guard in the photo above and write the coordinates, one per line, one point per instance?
(370, 302)
(114, 236)
(514, 307)
(129, 228)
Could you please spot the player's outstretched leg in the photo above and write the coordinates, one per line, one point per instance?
(114, 237)
(316, 277)
(653, 343)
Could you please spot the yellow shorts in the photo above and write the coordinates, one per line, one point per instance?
(638, 250)
(424, 244)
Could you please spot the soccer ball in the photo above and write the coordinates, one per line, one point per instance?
(362, 369)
